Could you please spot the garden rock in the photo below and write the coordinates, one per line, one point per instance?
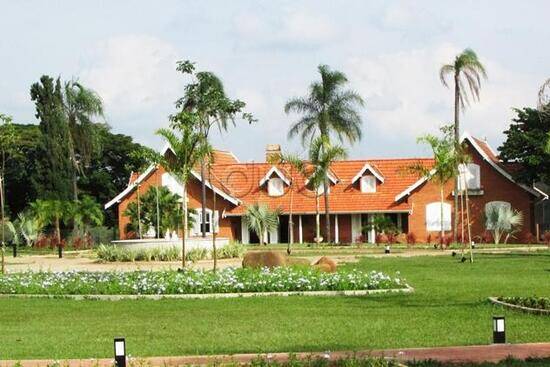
(326, 265)
(260, 259)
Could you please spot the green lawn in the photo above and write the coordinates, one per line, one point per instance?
(449, 307)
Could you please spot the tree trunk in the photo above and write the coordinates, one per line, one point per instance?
(139, 212)
(457, 142)
(317, 220)
(462, 221)
(158, 207)
(442, 234)
(58, 235)
(203, 201)
(184, 220)
(214, 225)
(327, 211)
(75, 185)
(3, 223)
(290, 221)
(468, 221)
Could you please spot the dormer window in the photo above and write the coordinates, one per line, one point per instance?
(368, 178)
(275, 186)
(368, 184)
(275, 181)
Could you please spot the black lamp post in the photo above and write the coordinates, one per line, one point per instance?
(499, 330)
(120, 352)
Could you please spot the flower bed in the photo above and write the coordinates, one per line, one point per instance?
(527, 303)
(229, 280)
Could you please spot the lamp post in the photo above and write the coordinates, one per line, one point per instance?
(120, 352)
(499, 330)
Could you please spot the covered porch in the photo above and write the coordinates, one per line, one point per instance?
(345, 228)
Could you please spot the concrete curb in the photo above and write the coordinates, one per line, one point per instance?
(473, 353)
(537, 311)
(119, 297)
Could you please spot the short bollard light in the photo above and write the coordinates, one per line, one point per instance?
(499, 330)
(120, 352)
(387, 249)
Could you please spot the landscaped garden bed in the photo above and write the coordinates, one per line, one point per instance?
(533, 304)
(190, 281)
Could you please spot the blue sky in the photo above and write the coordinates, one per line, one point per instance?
(268, 51)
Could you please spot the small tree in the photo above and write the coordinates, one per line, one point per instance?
(7, 142)
(87, 213)
(262, 220)
(503, 222)
(53, 213)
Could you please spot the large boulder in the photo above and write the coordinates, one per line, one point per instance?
(260, 259)
(325, 264)
(300, 261)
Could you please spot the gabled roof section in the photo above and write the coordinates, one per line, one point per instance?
(488, 154)
(276, 171)
(131, 186)
(368, 167)
(331, 176)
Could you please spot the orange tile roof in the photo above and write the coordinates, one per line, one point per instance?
(241, 180)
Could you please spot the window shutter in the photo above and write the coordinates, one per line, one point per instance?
(470, 174)
(275, 187)
(494, 205)
(196, 226)
(215, 224)
(433, 216)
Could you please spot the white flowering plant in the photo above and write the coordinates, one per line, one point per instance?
(193, 281)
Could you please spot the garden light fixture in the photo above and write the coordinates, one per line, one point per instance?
(499, 330)
(120, 352)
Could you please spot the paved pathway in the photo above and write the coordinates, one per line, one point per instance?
(477, 353)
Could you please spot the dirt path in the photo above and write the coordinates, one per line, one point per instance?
(84, 260)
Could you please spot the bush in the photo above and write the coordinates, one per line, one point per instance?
(196, 254)
(231, 250)
(411, 238)
(539, 303)
(546, 237)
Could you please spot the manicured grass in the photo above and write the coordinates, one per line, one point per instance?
(449, 307)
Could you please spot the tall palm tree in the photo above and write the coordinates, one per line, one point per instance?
(466, 69)
(327, 110)
(81, 105)
(322, 154)
(262, 220)
(188, 150)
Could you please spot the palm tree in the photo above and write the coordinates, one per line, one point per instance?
(444, 169)
(206, 98)
(327, 110)
(503, 220)
(322, 154)
(87, 213)
(81, 105)
(260, 219)
(465, 69)
(188, 149)
(53, 212)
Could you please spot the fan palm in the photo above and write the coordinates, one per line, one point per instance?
(466, 69)
(262, 220)
(81, 105)
(503, 221)
(28, 227)
(322, 154)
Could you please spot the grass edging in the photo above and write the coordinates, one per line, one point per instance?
(538, 311)
(119, 297)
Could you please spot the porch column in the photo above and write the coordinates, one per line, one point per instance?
(244, 232)
(371, 235)
(274, 235)
(300, 233)
(355, 227)
(400, 222)
(336, 229)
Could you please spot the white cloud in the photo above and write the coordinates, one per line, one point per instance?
(134, 74)
(405, 98)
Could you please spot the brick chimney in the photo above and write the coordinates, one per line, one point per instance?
(272, 150)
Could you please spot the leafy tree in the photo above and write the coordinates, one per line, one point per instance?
(525, 143)
(81, 105)
(206, 98)
(54, 179)
(262, 220)
(322, 154)
(7, 140)
(327, 110)
(87, 213)
(53, 213)
(466, 69)
(445, 167)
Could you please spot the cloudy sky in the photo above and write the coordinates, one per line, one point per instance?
(268, 51)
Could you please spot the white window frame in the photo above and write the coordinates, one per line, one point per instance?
(275, 186)
(471, 173)
(368, 184)
(433, 217)
(211, 225)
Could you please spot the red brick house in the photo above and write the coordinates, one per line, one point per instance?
(359, 189)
